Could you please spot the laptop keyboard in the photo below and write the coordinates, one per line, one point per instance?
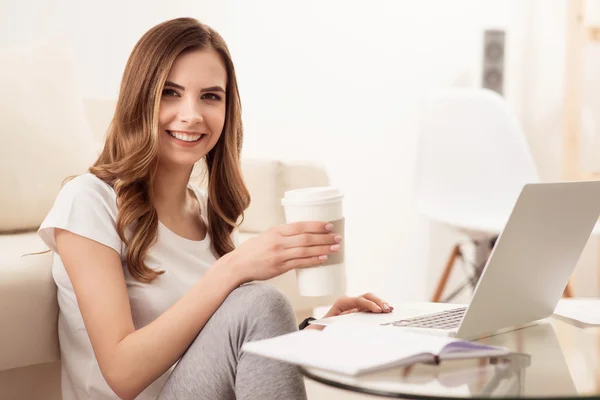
(448, 319)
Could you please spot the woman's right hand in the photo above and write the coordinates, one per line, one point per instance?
(283, 248)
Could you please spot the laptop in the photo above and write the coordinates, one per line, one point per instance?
(527, 271)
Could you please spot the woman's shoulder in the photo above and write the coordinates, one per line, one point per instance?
(88, 182)
(89, 189)
(87, 206)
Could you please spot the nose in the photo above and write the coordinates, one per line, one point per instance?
(190, 112)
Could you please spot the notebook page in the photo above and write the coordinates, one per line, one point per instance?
(350, 349)
(399, 338)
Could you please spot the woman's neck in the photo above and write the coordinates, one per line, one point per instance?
(170, 192)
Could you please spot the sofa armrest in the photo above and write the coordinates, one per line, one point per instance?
(268, 180)
(29, 310)
(302, 174)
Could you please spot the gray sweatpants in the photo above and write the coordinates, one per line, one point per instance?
(214, 367)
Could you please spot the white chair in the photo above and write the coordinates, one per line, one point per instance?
(472, 163)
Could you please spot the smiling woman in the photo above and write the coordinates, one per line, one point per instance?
(155, 300)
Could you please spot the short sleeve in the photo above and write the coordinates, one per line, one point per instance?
(87, 207)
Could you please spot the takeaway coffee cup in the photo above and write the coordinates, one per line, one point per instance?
(319, 204)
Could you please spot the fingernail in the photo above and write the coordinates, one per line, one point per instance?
(386, 307)
(329, 227)
(335, 247)
(324, 257)
(338, 238)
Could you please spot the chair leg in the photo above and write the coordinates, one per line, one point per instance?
(568, 293)
(444, 278)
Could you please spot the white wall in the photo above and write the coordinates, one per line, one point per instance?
(102, 34)
(340, 82)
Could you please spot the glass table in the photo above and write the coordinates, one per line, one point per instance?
(552, 359)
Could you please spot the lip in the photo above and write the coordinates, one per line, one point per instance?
(186, 132)
(183, 143)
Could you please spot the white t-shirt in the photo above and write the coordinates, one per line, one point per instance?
(87, 206)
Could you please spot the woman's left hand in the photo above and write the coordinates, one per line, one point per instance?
(368, 302)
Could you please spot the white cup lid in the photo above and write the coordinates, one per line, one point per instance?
(311, 196)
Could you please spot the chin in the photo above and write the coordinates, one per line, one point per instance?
(181, 160)
(181, 157)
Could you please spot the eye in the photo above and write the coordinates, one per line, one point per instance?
(169, 92)
(211, 96)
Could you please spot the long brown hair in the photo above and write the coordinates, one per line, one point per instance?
(129, 159)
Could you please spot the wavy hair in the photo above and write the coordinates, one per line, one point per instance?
(129, 159)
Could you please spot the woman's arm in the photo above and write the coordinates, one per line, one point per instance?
(130, 359)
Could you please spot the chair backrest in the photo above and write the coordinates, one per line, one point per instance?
(473, 159)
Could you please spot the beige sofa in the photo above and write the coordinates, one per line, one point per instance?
(29, 349)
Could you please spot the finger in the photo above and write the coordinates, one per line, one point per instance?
(296, 228)
(368, 305)
(348, 303)
(311, 251)
(311, 239)
(298, 263)
(339, 306)
(382, 304)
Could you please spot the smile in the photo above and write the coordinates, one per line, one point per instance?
(186, 137)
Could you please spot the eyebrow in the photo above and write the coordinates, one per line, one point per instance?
(208, 89)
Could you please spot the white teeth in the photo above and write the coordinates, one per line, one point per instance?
(184, 136)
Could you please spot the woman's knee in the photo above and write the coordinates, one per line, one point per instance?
(260, 303)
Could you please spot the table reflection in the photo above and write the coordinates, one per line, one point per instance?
(539, 366)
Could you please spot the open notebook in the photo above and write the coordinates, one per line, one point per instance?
(353, 349)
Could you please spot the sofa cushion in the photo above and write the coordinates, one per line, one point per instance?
(267, 181)
(263, 180)
(28, 306)
(302, 174)
(44, 136)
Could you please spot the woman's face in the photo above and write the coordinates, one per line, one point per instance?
(192, 107)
